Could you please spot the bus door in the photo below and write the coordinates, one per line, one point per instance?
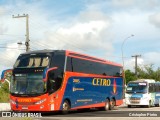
(157, 94)
(54, 81)
(152, 93)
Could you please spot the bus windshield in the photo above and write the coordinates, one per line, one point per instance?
(136, 88)
(32, 60)
(28, 84)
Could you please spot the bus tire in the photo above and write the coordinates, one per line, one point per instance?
(66, 107)
(112, 104)
(107, 105)
(149, 105)
(156, 105)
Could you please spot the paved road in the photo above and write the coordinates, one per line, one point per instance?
(120, 113)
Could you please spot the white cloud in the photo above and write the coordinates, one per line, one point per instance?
(131, 4)
(83, 36)
(83, 28)
(155, 19)
(88, 31)
(8, 56)
(123, 3)
(130, 64)
(2, 10)
(93, 29)
(150, 58)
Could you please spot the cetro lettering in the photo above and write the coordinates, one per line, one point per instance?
(101, 82)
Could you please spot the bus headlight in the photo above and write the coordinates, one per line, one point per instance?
(40, 102)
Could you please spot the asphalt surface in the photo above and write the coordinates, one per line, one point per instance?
(122, 112)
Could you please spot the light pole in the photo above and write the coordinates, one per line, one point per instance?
(123, 57)
(27, 30)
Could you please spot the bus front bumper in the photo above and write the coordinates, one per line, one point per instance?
(138, 101)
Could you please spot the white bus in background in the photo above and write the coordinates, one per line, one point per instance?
(143, 92)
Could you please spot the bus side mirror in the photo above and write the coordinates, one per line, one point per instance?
(46, 73)
(6, 75)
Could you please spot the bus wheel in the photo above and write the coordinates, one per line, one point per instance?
(66, 106)
(107, 105)
(112, 104)
(149, 105)
(156, 105)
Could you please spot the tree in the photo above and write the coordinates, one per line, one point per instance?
(143, 72)
(4, 86)
(4, 92)
(130, 76)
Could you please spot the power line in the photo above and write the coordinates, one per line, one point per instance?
(13, 35)
(12, 48)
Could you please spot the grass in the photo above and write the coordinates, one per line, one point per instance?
(4, 93)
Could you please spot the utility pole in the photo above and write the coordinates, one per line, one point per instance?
(27, 29)
(136, 56)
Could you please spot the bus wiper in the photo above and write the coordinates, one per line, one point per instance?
(34, 93)
(24, 95)
(17, 94)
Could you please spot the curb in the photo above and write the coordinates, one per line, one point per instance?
(5, 107)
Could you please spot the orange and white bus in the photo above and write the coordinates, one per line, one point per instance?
(53, 80)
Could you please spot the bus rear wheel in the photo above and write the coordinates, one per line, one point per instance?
(107, 105)
(156, 105)
(149, 105)
(66, 106)
(112, 104)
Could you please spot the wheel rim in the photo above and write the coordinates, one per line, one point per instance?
(112, 104)
(149, 103)
(107, 105)
(65, 106)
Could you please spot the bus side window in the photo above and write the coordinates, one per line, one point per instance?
(51, 81)
(151, 87)
(157, 87)
(54, 81)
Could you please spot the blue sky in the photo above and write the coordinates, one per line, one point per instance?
(94, 27)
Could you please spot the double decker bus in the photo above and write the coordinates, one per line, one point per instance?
(53, 80)
(143, 92)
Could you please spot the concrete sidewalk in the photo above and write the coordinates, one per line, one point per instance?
(5, 107)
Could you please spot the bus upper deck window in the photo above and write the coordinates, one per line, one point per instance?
(37, 62)
(45, 61)
(30, 62)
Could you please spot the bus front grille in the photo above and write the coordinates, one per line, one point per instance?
(135, 100)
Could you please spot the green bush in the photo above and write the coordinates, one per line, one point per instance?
(4, 92)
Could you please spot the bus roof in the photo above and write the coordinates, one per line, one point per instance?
(91, 58)
(145, 80)
(41, 51)
(76, 55)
